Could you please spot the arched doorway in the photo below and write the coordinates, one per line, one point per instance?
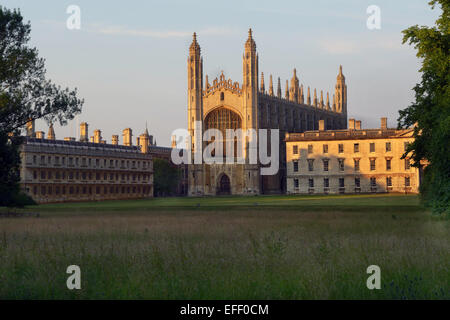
(224, 186)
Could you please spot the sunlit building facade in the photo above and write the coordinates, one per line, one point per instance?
(354, 160)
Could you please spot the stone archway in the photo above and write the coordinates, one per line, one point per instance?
(224, 185)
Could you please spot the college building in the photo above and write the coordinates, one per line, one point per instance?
(354, 160)
(252, 104)
(55, 170)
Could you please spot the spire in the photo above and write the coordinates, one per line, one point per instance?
(195, 47)
(287, 90)
(206, 82)
(340, 75)
(271, 86)
(321, 99)
(315, 97)
(263, 88)
(294, 91)
(302, 97)
(334, 102)
(146, 129)
(328, 100)
(250, 44)
(309, 97)
(279, 88)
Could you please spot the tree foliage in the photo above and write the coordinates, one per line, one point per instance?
(165, 178)
(430, 113)
(25, 94)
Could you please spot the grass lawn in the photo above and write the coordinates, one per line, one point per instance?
(262, 247)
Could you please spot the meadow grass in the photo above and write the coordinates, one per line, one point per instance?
(264, 247)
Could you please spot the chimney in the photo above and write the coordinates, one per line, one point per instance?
(115, 139)
(127, 136)
(30, 129)
(321, 125)
(137, 141)
(358, 124)
(91, 139)
(97, 136)
(143, 142)
(84, 132)
(40, 134)
(351, 124)
(384, 123)
(51, 133)
(69, 139)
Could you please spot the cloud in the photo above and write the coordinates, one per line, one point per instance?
(360, 44)
(118, 30)
(339, 46)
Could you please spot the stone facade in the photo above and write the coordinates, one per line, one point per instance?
(224, 104)
(350, 161)
(60, 171)
(68, 170)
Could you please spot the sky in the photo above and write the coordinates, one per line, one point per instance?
(128, 59)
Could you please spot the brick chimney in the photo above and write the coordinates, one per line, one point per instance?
(84, 136)
(358, 124)
(127, 135)
(40, 134)
(351, 124)
(97, 136)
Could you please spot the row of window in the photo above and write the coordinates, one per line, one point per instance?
(103, 163)
(356, 147)
(373, 182)
(57, 190)
(326, 164)
(88, 175)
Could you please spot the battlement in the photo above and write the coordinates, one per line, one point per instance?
(221, 83)
(284, 100)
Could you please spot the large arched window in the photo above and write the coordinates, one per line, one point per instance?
(223, 119)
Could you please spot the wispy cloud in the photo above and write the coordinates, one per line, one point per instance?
(119, 30)
(334, 46)
(360, 44)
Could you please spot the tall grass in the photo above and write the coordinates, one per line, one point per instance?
(227, 252)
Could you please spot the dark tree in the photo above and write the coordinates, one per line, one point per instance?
(430, 113)
(165, 178)
(25, 94)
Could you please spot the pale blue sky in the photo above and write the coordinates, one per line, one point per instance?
(129, 59)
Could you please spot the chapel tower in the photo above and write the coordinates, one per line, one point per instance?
(341, 93)
(250, 85)
(195, 114)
